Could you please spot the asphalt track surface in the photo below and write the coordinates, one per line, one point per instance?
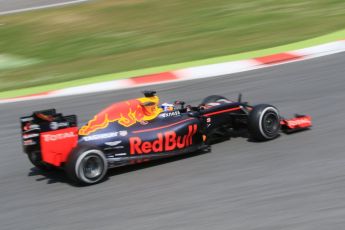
(13, 6)
(294, 182)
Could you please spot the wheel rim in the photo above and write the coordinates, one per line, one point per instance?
(92, 167)
(270, 124)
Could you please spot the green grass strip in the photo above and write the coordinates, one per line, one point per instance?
(108, 77)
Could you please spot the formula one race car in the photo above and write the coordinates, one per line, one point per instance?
(139, 130)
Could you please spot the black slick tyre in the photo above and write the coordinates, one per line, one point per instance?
(36, 159)
(86, 165)
(213, 99)
(264, 122)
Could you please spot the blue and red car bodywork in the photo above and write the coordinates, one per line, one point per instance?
(125, 135)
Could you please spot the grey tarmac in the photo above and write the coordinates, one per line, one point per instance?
(294, 182)
(17, 6)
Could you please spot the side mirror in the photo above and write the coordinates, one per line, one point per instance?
(239, 98)
(180, 103)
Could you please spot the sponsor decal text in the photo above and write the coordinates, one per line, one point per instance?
(165, 142)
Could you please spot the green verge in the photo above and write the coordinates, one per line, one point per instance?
(71, 44)
(108, 77)
(9, 62)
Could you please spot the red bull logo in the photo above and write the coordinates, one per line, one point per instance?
(165, 142)
(125, 113)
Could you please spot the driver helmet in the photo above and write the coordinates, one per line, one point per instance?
(150, 108)
(168, 107)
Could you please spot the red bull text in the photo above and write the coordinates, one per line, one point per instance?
(165, 142)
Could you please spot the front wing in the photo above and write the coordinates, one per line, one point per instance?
(298, 123)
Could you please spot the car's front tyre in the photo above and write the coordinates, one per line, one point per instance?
(213, 99)
(264, 122)
(86, 165)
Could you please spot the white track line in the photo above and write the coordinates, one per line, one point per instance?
(187, 74)
(42, 7)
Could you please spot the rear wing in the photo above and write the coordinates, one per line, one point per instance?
(47, 132)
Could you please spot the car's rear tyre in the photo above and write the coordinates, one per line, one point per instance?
(36, 159)
(213, 99)
(86, 165)
(264, 122)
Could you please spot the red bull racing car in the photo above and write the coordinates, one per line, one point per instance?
(139, 130)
